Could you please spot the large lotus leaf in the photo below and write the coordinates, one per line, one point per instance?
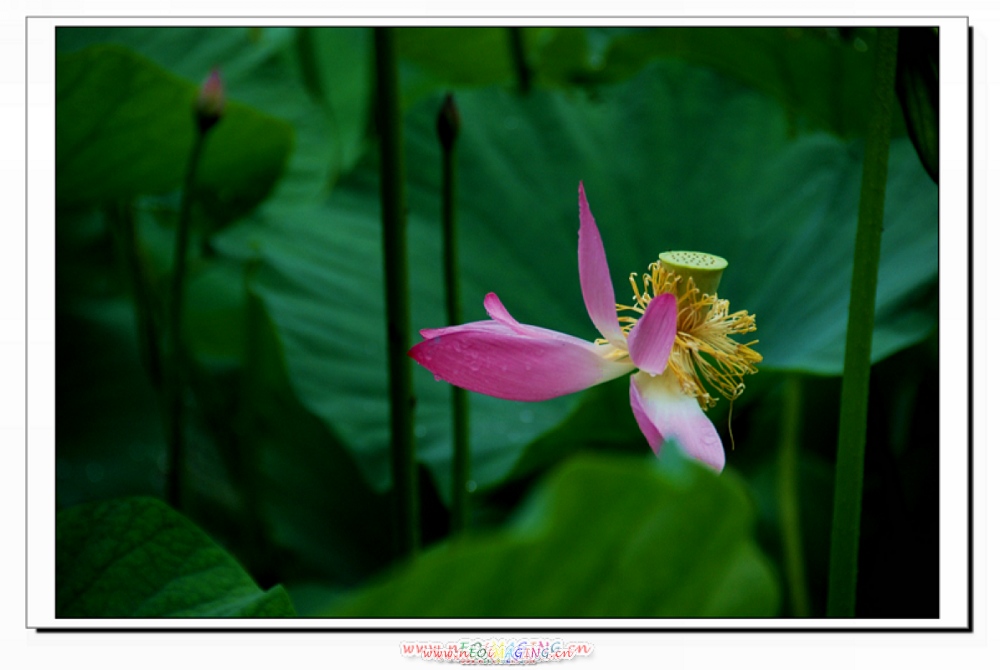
(320, 513)
(259, 67)
(318, 273)
(137, 557)
(605, 537)
(185, 50)
(337, 68)
(678, 158)
(821, 76)
(454, 56)
(125, 127)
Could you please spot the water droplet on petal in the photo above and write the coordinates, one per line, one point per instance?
(437, 377)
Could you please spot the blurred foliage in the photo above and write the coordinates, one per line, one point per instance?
(124, 129)
(263, 68)
(738, 142)
(784, 64)
(899, 569)
(917, 89)
(601, 538)
(136, 557)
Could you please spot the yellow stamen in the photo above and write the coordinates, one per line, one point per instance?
(703, 348)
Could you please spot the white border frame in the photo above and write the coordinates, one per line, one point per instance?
(954, 247)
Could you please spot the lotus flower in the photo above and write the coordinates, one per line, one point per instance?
(676, 333)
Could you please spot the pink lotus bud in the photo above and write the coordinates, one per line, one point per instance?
(211, 101)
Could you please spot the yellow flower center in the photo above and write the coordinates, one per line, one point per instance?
(703, 348)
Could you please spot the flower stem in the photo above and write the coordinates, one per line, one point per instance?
(788, 497)
(122, 219)
(515, 36)
(447, 128)
(392, 188)
(845, 534)
(174, 373)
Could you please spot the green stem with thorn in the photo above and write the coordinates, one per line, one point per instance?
(393, 196)
(447, 128)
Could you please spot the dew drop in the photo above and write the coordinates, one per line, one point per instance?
(437, 378)
(470, 486)
(420, 430)
(527, 416)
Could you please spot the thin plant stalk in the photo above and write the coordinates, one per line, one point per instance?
(174, 373)
(788, 496)
(392, 188)
(844, 539)
(447, 127)
(122, 218)
(515, 37)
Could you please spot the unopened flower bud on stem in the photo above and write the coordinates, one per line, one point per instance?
(211, 101)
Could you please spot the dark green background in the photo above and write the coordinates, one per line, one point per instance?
(741, 142)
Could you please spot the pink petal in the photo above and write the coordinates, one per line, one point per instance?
(663, 411)
(652, 337)
(488, 326)
(498, 312)
(501, 320)
(528, 364)
(595, 279)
